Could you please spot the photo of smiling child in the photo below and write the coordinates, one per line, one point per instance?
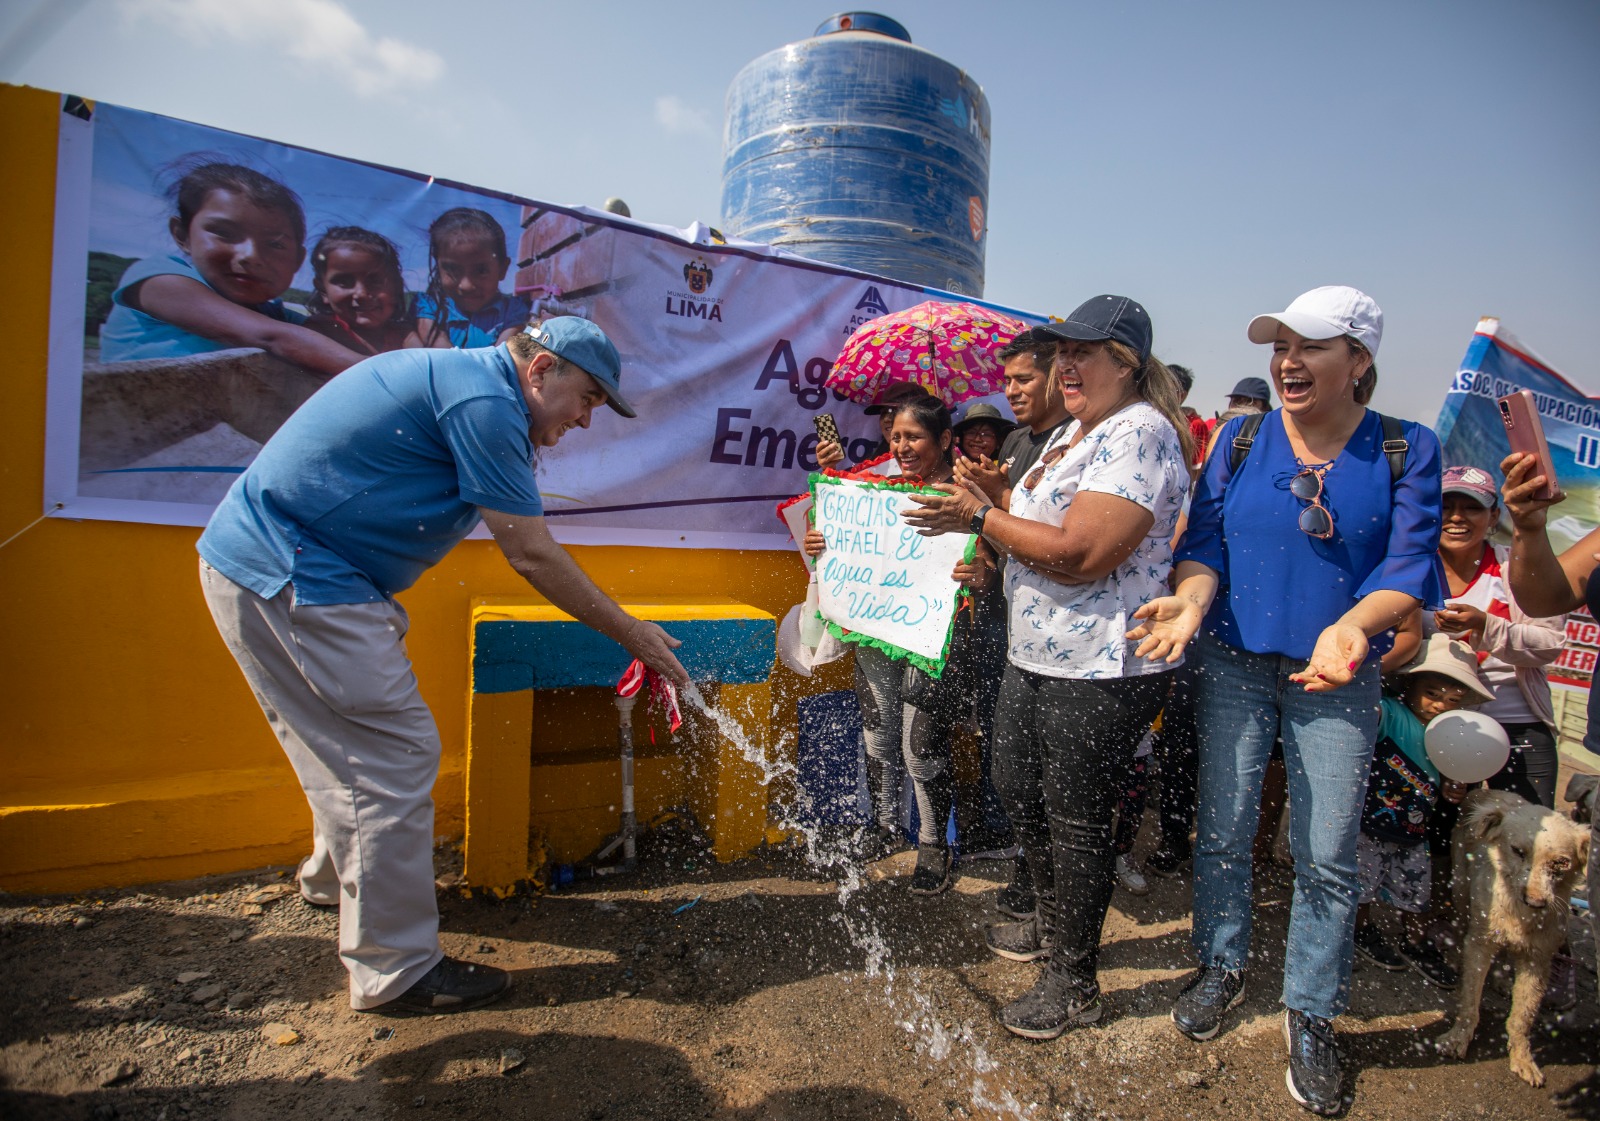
(359, 298)
(240, 237)
(463, 305)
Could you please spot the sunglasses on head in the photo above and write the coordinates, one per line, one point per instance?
(1315, 519)
(1050, 459)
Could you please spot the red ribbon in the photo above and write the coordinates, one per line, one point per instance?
(662, 692)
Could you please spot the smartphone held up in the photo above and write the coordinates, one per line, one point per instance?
(1520, 414)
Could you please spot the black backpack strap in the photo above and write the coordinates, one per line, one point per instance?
(1242, 440)
(1395, 446)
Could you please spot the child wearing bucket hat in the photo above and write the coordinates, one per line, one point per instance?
(1403, 787)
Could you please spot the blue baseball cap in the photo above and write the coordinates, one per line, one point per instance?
(583, 344)
(1107, 317)
(1253, 388)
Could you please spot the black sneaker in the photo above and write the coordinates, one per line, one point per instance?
(1426, 959)
(1017, 902)
(1166, 863)
(932, 874)
(1313, 1076)
(1055, 1001)
(982, 843)
(1018, 941)
(1199, 1009)
(876, 843)
(1371, 945)
(451, 986)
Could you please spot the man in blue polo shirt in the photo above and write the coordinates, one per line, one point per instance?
(361, 491)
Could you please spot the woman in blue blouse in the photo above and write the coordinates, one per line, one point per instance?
(1294, 567)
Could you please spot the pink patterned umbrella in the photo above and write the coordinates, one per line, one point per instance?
(948, 349)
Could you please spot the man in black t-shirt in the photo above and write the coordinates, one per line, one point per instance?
(1040, 411)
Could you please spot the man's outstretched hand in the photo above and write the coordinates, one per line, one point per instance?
(654, 647)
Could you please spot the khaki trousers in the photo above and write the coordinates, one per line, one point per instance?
(337, 687)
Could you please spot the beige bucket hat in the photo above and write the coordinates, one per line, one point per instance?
(1452, 658)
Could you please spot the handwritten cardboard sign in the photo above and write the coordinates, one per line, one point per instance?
(879, 579)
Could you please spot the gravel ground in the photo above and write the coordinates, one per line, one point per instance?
(690, 990)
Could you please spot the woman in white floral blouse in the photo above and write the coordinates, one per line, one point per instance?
(1088, 534)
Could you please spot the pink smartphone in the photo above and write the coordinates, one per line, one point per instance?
(1521, 418)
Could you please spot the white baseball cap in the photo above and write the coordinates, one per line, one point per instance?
(1326, 313)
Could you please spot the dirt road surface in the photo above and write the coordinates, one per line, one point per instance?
(691, 990)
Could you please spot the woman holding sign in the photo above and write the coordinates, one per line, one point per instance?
(1088, 533)
(877, 675)
(920, 441)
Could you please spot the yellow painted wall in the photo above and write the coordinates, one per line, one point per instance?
(130, 748)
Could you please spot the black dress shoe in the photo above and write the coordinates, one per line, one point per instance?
(450, 986)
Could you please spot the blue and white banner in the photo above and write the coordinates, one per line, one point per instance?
(157, 404)
(1470, 428)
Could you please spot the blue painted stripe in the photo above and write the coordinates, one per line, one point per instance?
(510, 655)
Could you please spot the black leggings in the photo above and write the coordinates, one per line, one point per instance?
(933, 709)
(1063, 748)
(1178, 755)
(1531, 768)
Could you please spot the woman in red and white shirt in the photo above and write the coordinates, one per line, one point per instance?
(1512, 647)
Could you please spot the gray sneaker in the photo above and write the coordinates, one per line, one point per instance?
(1129, 876)
(1201, 1005)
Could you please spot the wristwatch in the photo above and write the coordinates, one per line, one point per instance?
(977, 519)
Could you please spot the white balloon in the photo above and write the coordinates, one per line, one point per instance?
(1466, 746)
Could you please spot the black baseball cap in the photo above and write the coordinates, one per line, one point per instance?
(1107, 317)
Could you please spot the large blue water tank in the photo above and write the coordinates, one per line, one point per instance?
(858, 148)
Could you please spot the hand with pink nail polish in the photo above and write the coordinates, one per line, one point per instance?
(1338, 654)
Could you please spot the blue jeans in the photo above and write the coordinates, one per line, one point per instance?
(1246, 701)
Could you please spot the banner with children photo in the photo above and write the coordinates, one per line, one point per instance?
(1473, 435)
(206, 283)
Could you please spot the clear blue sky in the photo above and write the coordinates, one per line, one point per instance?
(1210, 159)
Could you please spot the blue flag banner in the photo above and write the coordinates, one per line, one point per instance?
(1469, 426)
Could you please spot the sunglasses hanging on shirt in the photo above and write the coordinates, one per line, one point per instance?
(1315, 520)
